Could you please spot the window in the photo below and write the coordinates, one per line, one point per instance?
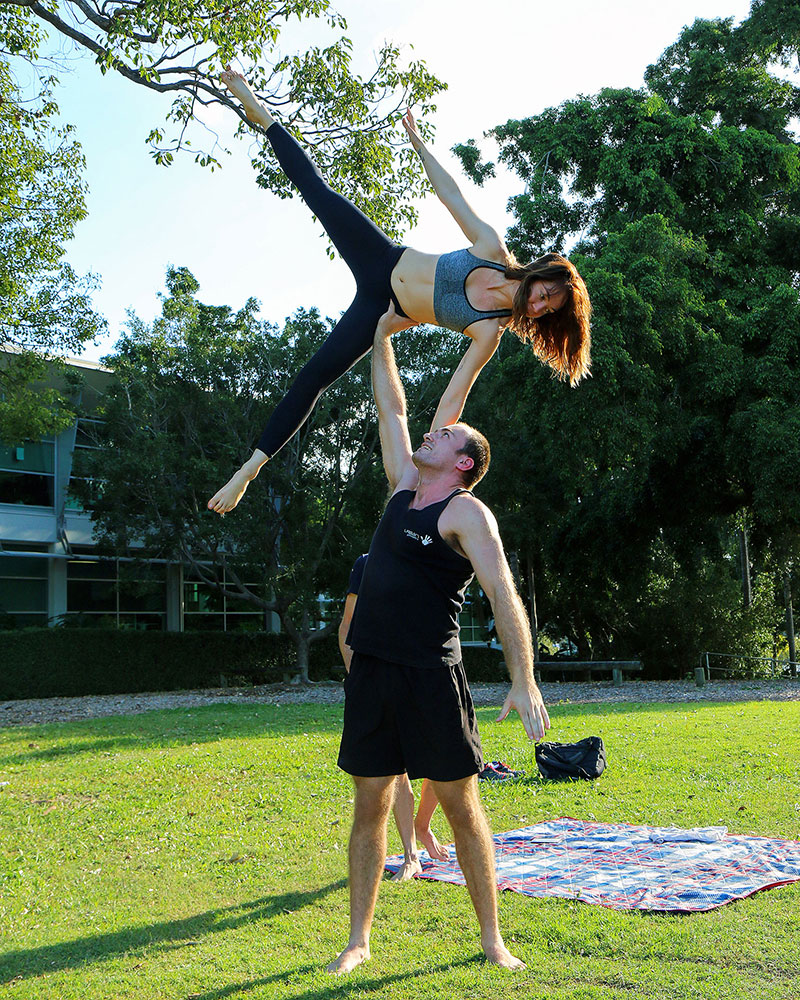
(112, 594)
(23, 590)
(27, 473)
(206, 609)
(88, 437)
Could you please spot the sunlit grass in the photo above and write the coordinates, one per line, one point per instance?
(202, 853)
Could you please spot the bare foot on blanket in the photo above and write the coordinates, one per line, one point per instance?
(408, 870)
(352, 956)
(428, 840)
(240, 89)
(498, 954)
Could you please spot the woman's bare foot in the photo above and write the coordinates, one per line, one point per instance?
(498, 954)
(230, 494)
(240, 89)
(233, 491)
(352, 956)
(428, 840)
(408, 870)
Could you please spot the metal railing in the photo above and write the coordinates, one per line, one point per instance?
(778, 667)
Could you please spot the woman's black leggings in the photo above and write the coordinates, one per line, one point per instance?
(369, 254)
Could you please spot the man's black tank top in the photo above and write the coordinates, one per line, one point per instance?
(412, 590)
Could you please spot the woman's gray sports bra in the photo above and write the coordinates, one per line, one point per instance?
(450, 304)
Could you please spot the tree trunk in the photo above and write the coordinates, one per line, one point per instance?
(513, 562)
(302, 645)
(747, 590)
(787, 596)
(533, 614)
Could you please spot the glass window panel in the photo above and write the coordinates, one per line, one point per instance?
(35, 569)
(87, 502)
(203, 623)
(245, 623)
(86, 619)
(240, 604)
(104, 569)
(91, 595)
(33, 456)
(141, 571)
(201, 598)
(148, 623)
(26, 488)
(30, 621)
(142, 597)
(88, 433)
(23, 595)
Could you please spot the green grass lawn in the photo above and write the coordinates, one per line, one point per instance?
(202, 853)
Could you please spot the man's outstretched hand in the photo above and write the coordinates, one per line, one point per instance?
(527, 702)
(390, 323)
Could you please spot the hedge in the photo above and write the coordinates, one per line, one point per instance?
(42, 663)
(52, 662)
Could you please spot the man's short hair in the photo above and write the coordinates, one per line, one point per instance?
(477, 448)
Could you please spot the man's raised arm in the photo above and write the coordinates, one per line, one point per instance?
(390, 399)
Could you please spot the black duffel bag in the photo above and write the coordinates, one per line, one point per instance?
(564, 761)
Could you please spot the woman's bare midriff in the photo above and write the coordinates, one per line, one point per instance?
(413, 279)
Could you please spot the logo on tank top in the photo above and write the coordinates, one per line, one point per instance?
(424, 539)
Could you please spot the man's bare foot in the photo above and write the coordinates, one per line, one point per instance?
(230, 494)
(352, 956)
(240, 89)
(409, 869)
(428, 840)
(498, 954)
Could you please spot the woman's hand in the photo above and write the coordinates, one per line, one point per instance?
(410, 125)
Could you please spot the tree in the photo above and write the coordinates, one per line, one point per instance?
(680, 202)
(180, 49)
(45, 308)
(190, 396)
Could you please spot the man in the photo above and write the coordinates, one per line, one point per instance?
(410, 828)
(408, 706)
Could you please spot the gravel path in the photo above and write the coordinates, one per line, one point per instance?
(40, 710)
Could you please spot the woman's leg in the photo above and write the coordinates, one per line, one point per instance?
(348, 342)
(359, 241)
(404, 818)
(371, 257)
(422, 824)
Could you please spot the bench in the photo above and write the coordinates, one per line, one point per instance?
(585, 668)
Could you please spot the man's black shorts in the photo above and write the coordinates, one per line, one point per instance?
(414, 719)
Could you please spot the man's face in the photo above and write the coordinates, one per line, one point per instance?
(440, 449)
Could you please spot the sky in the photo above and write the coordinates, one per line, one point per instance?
(240, 241)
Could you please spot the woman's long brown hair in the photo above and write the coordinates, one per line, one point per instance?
(560, 339)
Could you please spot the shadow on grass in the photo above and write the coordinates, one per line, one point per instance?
(165, 936)
(336, 987)
(210, 724)
(168, 728)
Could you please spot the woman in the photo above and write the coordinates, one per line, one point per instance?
(478, 292)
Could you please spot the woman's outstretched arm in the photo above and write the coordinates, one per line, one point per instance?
(451, 405)
(449, 193)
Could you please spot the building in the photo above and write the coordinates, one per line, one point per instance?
(50, 572)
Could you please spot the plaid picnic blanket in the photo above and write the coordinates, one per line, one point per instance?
(632, 867)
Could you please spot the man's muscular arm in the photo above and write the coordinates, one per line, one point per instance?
(390, 400)
(475, 529)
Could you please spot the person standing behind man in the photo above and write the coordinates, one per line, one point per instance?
(407, 703)
(411, 829)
